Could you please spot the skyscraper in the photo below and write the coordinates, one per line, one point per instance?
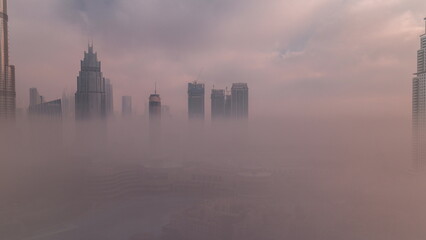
(196, 100)
(419, 107)
(7, 72)
(239, 101)
(126, 107)
(90, 98)
(154, 107)
(35, 97)
(109, 98)
(218, 104)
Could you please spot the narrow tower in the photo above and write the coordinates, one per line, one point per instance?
(7, 72)
(419, 107)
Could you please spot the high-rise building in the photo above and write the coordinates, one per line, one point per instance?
(47, 110)
(154, 107)
(218, 104)
(7, 72)
(109, 97)
(90, 98)
(419, 107)
(239, 101)
(126, 107)
(35, 97)
(196, 100)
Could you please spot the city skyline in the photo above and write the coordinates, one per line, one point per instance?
(285, 62)
(240, 119)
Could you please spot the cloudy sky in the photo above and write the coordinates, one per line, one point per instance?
(312, 57)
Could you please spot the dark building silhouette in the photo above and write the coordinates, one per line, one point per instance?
(154, 107)
(217, 104)
(126, 105)
(90, 98)
(7, 72)
(196, 100)
(239, 100)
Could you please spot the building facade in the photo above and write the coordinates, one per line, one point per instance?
(217, 104)
(154, 108)
(35, 97)
(419, 107)
(7, 72)
(47, 110)
(239, 101)
(196, 97)
(109, 97)
(126, 105)
(90, 98)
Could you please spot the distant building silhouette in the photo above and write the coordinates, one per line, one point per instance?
(90, 98)
(126, 106)
(109, 97)
(35, 97)
(196, 100)
(7, 72)
(154, 107)
(68, 105)
(239, 102)
(228, 104)
(419, 107)
(47, 110)
(217, 104)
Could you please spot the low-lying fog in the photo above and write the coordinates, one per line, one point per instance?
(267, 178)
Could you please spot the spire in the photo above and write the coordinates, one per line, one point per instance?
(425, 24)
(155, 91)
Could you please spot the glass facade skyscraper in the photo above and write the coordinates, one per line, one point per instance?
(419, 107)
(7, 72)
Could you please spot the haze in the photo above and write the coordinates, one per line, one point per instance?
(324, 154)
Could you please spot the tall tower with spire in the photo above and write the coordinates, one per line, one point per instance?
(419, 107)
(7, 72)
(90, 98)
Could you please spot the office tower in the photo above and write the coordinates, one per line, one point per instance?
(419, 107)
(35, 97)
(218, 104)
(126, 107)
(196, 100)
(239, 100)
(47, 110)
(154, 107)
(7, 72)
(109, 98)
(90, 95)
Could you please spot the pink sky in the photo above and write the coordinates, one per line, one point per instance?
(322, 58)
